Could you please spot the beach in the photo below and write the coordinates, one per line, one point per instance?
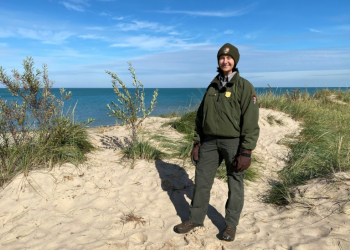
(104, 204)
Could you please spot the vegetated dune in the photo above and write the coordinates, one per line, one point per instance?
(106, 205)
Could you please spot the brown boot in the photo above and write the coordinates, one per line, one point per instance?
(185, 227)
(229, 234)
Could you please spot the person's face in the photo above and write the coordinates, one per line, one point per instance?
(226, 64)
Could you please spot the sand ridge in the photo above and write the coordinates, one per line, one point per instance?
(89, 207)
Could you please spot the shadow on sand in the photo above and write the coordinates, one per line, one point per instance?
(176, 182)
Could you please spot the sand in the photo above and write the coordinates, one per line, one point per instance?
(104, 204)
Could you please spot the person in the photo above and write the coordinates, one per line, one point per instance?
(226, 128)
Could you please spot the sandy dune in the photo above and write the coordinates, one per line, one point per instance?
(106, 205)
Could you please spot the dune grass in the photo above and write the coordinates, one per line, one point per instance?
(185, 125)
(65, 142)
(323, 146)
(251, 174)
(143, 150)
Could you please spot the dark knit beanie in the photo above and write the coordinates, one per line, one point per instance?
(229, 49)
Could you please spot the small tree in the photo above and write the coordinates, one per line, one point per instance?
(130, 110)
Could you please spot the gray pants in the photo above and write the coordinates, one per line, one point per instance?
(211, 154)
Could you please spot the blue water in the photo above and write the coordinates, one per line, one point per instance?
(91, 103)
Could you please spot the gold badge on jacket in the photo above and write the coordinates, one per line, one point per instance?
(228, 94)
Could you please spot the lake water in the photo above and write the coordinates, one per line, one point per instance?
(92, 102)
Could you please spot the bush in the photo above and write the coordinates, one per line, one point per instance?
(128, 108)
(33, 130)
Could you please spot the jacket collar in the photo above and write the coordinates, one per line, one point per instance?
(216, 80)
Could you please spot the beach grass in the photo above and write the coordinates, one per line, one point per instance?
(323, 146)
(143, 150)
(251, 174)
(66, 142)
(185, 123)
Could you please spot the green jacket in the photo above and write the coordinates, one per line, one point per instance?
(229, 111)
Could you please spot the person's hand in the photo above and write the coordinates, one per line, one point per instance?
(195, 153)
(243, 160)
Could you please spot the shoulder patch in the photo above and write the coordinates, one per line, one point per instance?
(254, 99)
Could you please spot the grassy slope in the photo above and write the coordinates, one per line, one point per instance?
(323, 146)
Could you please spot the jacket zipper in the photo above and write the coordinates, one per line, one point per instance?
(217, 113)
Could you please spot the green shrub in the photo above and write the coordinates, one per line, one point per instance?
(33, 130)
(129, 108)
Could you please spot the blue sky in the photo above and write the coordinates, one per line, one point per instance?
(173, 43)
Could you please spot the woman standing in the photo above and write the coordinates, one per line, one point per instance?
(226, 128)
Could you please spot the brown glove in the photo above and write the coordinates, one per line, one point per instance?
(195, 153)
(243, 160)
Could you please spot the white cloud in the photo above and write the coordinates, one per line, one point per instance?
(174, 33)
(65, 53)
(94, 37)
(46, 36)
(6, 33)
(315, 31)
(238, 12)
(95, 28)
(205, 13)
(155, 43)
(137, 25)
(118, 18)
(343, 27)
(76, 7)
(229, 32)
(104, 14)
(251, 36)
(58, 37)
(85, 2)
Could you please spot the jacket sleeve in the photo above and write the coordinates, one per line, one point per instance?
(249, 117)
(198, 129)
